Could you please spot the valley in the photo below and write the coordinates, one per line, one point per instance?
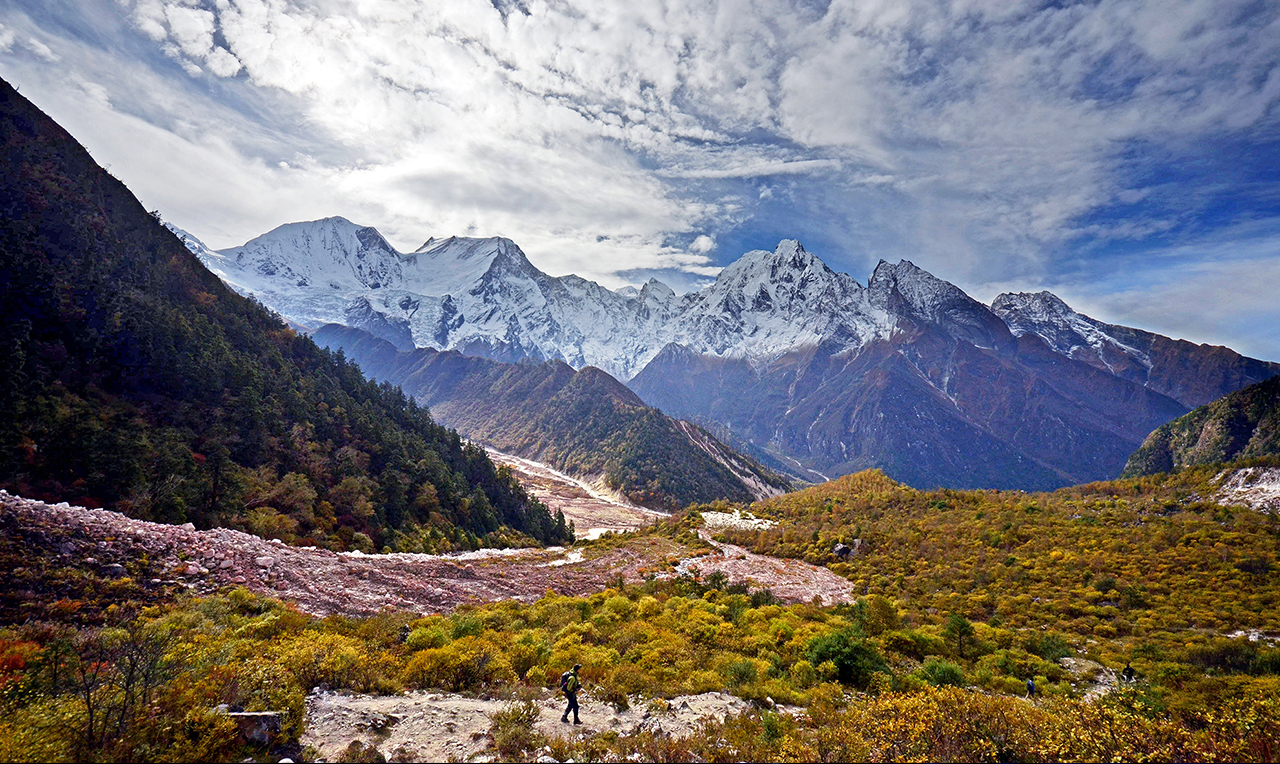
(230, 534)
(592, 510)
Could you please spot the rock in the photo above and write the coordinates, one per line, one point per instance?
(192, 569)
(187, 526)
(840, 550)
(257, 726)
(115, 570)
(226, 564)
(67, 548)
(545, 759)
(265, 562)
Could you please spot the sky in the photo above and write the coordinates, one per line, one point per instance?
(1123, 154)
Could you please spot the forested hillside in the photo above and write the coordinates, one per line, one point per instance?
(582, 422)
(1240, 425)
(133, 378)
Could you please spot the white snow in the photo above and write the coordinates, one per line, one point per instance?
(1066, 331)
(484, 297)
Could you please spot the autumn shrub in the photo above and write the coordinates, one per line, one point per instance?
(464, 664)
(512, 732)
(855, 658)
(425, 637)
(941, 673)
(317, 658)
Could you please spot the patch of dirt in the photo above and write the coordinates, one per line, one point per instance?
(1096, 679)
(433, 726)
(789, 580)
(736, 520)
(593, 510)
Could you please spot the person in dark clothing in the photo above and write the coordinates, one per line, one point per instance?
(1031, 688)
(1129, 674)
(570, 684)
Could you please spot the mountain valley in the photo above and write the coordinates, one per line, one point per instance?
(582, 422)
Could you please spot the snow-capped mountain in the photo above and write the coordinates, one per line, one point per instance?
(1189, 373)
(484, 297)
(781, 354)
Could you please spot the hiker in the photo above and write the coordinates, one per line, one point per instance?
(1031, 688)
(1128, 673)
(569, 685)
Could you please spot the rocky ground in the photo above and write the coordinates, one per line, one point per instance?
(1254, 487)
(432, 726)
(322, 582)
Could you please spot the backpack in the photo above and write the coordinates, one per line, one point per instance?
(569, 683)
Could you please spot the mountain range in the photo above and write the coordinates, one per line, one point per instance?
(780, 355)
(582, 422)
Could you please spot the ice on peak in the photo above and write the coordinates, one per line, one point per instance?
(657, 289)
(1047, 316)
(1043, 302)
(1039, 312)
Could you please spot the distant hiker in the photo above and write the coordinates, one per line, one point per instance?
(1031, 688)
(1128, 673)
(569, 685)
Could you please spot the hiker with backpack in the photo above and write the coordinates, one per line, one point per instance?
(569, 685)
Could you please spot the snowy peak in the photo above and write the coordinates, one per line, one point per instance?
(906, 289)
(454, 265)
(1073, 334)
(925, 293)
(332, 252)
(1029, 313)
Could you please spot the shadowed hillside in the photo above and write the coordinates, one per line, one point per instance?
(582, 422)
(133, 378)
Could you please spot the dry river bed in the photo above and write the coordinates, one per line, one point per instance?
(322, 582)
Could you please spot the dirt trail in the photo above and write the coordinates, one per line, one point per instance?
(789, 580)
(432, 726)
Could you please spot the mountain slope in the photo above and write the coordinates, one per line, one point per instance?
(946, 395)
(133, 377)
(1241, 425)
(1191, 374)
(582, 422)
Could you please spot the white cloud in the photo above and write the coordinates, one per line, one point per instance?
(976, 138)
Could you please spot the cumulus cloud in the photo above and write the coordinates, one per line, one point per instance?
(985, 140)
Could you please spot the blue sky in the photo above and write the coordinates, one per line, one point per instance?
(1125, 155)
